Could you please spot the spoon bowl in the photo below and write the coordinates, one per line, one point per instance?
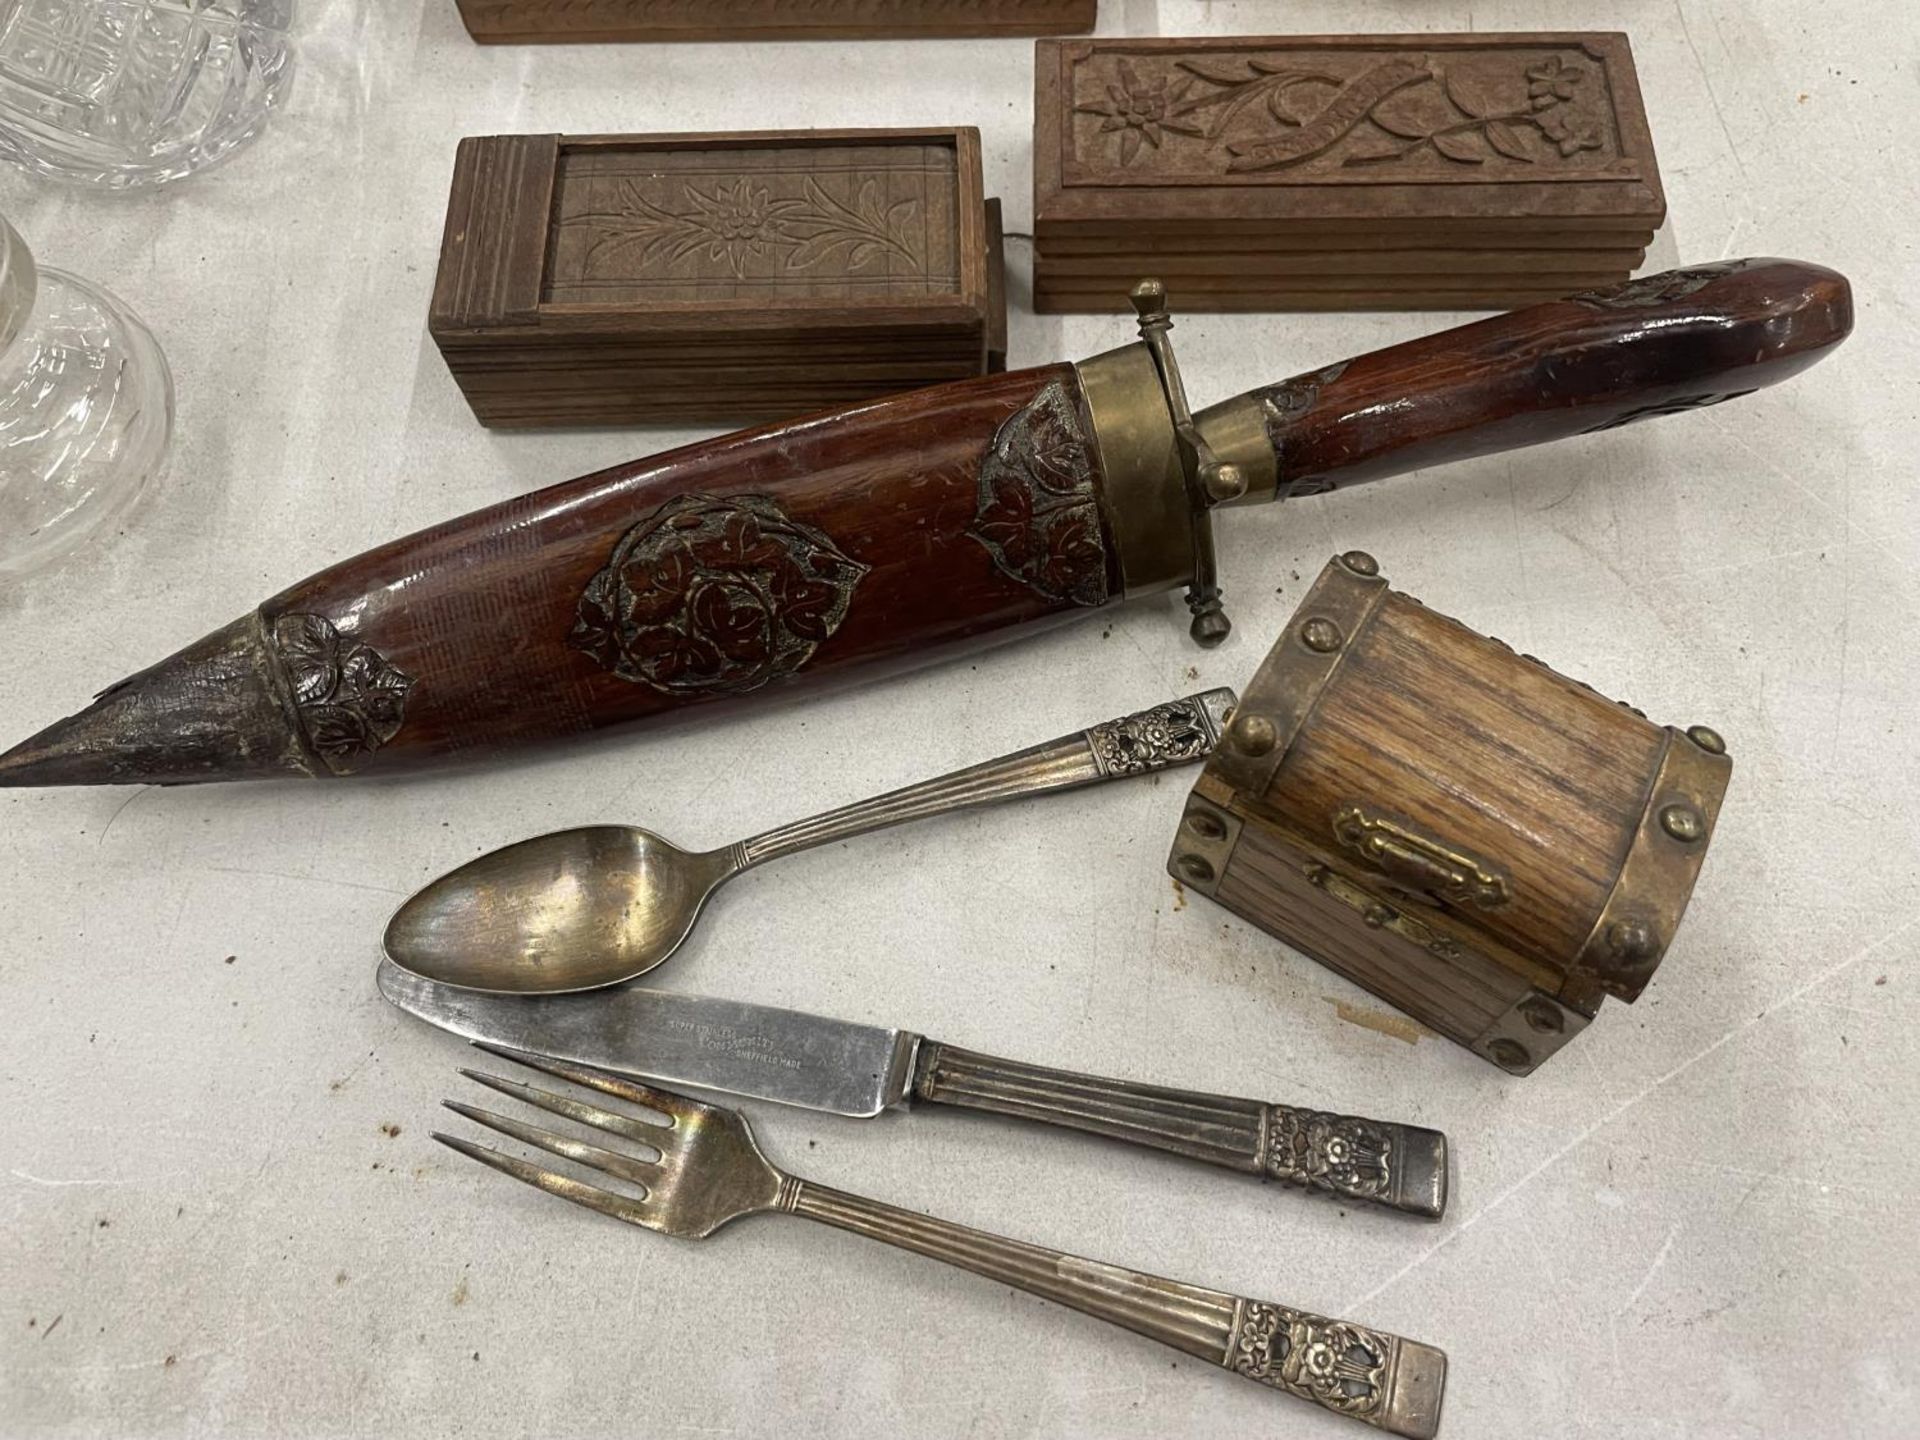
(574, 910)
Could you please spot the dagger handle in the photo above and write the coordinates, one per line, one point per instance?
(1399, 1167)
(1655, 346)
(1178, 732)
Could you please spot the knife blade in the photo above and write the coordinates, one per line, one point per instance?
(743, 1049)
(819, 1063)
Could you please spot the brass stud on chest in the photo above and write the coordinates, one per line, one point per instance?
(1360, 563)
(1510, 1055)
(1632, 940)
(1683, 823)
(1543, 1016)
(1707, 740)
(1321, 635)
(1254, 735)
(1196, 869)
(1206, 825)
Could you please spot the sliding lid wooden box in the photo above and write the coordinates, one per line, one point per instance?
(619, 278)
(1331, 172)
(1488, 845)
(498, 22)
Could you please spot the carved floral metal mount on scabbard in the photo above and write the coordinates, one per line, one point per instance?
(711, 596)
(1039, 513)
(349, 700)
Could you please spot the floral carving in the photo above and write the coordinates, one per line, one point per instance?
(1037, 514)
(743, 221)
(1168, 734)
(1334, 1363)
(715, 596)
(1272, 116)
(1341, 1153)
(1142, 111)
(350, 699)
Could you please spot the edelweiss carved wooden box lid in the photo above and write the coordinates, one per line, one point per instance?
(1490, 846)
(620, 279)
(1340, 171)
(497, 22)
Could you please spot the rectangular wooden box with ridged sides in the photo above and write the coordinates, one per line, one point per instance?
(498, 22)
(1486, 844)
(1318, 172)
(622, 279)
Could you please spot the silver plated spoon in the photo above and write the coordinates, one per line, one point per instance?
(579, 909)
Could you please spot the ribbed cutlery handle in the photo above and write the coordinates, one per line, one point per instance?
(1382, 1380)
(1178, 732)
(1401, 1167)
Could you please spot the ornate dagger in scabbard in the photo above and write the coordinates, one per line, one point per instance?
(890, 535)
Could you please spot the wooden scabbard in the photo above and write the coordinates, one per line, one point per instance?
(891, 535)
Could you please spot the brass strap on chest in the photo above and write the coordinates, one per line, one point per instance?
(1276, 703)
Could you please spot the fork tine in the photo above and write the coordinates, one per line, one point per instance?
(644, 1173)
(620, 1207)
(606, 1081)
(648, 1134)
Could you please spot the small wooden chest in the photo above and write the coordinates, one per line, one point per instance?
(637, 279)
(1490, 846)
(497, 22)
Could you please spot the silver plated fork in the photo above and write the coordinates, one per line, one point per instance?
(703, 1169)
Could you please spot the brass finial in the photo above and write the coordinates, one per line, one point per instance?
(1149, 298)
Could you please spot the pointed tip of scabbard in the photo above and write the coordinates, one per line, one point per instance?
(49, 759)
(206, 713)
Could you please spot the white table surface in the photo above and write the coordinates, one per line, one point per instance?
(220, 1213)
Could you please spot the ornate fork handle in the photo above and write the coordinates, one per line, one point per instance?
(1380, 1379)
(1400, 1167)
(710, 1172)
(1176, 733)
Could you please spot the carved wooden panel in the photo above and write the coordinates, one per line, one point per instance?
(615, 279)
(572, 21)
(1346, 128)
(635, 224)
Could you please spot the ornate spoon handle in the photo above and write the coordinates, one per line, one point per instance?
(1400, 1167)
(1377, 1378)
(1176, 733)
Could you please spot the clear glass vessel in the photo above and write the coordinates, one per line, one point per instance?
(137, 92)
(86, 409)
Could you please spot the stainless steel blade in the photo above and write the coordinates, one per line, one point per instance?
(727, 1045)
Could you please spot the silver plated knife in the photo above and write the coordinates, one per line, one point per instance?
(763, 1053)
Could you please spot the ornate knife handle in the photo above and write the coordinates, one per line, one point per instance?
(1400, 1167)
(1379, 1379)
(1176, 733)
(1659, 345)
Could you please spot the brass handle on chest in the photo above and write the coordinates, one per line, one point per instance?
(1404, 854)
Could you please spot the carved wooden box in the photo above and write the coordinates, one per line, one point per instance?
(1318, 172)
(1488, 845)
(572, 21)
(623, 279)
